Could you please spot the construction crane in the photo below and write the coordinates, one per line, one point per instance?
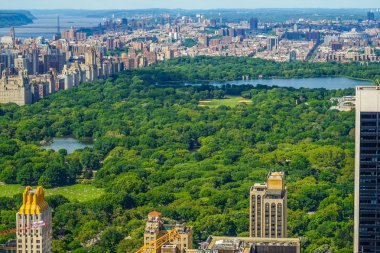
(35, 225)
(153, 246)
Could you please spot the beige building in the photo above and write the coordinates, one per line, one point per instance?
(15, 89)
(268, 207)
(34, 228)
(166, 238)
(20, 63)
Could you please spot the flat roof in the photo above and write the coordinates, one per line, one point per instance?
(373, 87)
(289, 241)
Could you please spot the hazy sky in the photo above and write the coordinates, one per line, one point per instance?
(188, 4)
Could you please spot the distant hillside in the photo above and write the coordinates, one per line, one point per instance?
(10, 18)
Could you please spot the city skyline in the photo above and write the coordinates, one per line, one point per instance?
(172, 4)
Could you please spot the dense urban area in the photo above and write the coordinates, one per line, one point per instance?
(170, 161)
(34, 68)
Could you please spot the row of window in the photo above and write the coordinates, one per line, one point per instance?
(20, 241)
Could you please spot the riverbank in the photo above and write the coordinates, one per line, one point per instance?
(15, 18)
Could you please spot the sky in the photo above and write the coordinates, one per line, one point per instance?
(186, 4)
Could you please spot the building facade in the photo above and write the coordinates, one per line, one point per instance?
(34, 223)
(155, 229)
(367, 170)
(268, 207)
(15, 89)
(272, 43)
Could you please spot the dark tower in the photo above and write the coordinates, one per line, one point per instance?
(367, 170)
(253, 23)
(13, 34)
(370, 16)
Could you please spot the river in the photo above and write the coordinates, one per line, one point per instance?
(330, 83)
(46, 25)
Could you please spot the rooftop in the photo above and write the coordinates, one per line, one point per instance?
(33, 201)
(228, 242)
(154, 213)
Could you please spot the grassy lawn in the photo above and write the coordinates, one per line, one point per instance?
(80, 192)
(230, 101)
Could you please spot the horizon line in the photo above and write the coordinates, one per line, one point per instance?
(195, 9)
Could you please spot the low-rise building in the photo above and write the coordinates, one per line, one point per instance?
(9, 246)
(221, 244)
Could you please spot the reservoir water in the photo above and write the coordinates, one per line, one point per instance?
(70, 144)
(330, 83)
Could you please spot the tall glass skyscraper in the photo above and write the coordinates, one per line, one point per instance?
(367, 170)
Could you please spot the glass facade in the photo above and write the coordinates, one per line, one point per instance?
(369, 183)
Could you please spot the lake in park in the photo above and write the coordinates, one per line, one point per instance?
(70, 144)
(330, 83)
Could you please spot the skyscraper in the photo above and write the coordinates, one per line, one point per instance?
(272, 43)
(370, 16)
(34, 223)
(13, 34)
(367, 170)
(253, 23)
(268, 204)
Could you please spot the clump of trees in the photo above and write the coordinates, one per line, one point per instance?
(155, 148)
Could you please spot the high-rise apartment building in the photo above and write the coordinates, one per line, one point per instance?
(155, 229)
(15, 89)
(367, 170)
(253, 23)
(370, 16)
(268, 207)
(272, 43)
(34, 228)
(90, 56)
(54, 60)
